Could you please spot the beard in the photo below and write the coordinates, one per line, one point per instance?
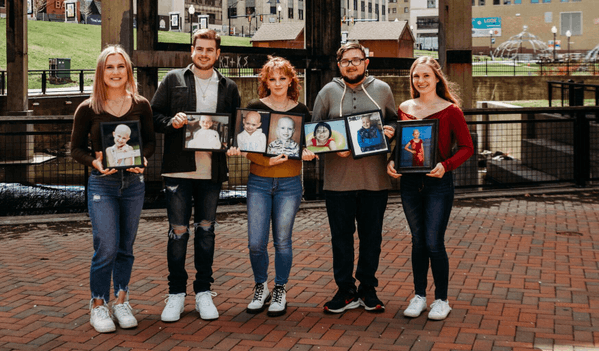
(203, 66)
(355, 80)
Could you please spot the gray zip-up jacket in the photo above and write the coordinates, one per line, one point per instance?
(336, 100)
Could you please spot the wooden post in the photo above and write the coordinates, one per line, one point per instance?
(455, 45)
(117, 24)
(147, 37)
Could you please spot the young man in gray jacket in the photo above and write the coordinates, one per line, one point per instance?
(356, 190)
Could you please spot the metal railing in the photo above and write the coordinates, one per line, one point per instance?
(514, 147)
(515, 67)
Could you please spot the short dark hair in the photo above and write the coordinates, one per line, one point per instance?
(350, 46)
(209, 34)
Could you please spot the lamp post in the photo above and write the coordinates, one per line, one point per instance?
(491, 43)
(279, 9)
(191, 11)
(554, 31)
(568, 34)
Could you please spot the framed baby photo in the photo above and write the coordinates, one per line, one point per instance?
(206, 131)
(121, 145)
(365, 133)
(285, 135)
(416, 146)
(251, 130)
(326, 136)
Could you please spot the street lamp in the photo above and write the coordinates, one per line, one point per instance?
(491, 43)
(554, 31)
(191, 11)
(279, 9)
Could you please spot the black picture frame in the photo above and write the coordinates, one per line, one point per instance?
(127, 156)
(405, 161)
(273, 144)
(241, 139)
(366, 142)
(213, 139)
(337, 140)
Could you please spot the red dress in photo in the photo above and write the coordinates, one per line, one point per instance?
(418, 157)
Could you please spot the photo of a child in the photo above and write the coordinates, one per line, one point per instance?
(416, 148)
(205, 137)
(329, 136)
(121, 144)
(283, 137)
(252, 138)
(206, 131)
(366, 130)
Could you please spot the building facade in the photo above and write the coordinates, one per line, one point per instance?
(424, 20)
(398, 10)
(506, 18)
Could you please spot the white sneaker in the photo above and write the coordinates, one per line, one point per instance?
(261, 297)
(175, 304)
(124, 315)
(205, 306)
(417, 305)
(100, 318)
(439, 310)
(278, 305)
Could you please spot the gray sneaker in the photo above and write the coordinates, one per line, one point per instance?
(417, 305)
(175, 304)
(205, 306)
(100, 318)
(124, 315)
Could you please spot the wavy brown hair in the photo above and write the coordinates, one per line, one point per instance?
(445, 89)
(98, 96)
(285, 68)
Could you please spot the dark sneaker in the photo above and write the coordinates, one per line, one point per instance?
(343, 300)
(368, 299)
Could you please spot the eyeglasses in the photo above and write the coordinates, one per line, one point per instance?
(355, 62)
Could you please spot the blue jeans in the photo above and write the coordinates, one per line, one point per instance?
(427, 203)
(279, 199)
(344, 209)
(179, 194)
(114, 203)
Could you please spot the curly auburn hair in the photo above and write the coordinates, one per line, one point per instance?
(284, 67)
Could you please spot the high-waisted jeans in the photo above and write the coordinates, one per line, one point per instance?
(277, 199)
(114, 203)
(179, 194)
(427, 203)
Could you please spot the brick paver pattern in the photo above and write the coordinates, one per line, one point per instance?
(524, 275)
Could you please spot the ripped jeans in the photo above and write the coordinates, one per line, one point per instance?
(114, 203)
(179, 194)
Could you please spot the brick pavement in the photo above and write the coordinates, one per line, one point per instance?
(524, 276)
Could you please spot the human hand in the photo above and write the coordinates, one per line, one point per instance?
(273, 161)
(97, 163)
(139, 169)
(389, 131)
(391, 170)
(343, 153)
(438, 171)
(179, 120)
(233, 151)
(308, 155)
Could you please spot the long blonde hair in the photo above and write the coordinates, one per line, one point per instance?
(445, 89)
(99, 96)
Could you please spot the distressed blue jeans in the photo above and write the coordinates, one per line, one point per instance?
(427, 203)
(345, 209)
(277, 199)
(179, 195)
(114, 203)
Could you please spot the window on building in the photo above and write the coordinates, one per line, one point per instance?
(383, 9)
(355, 4)
(517, 2)
(431, 4)
(481, 2)
(273, 10)
(406, 10)
(507, 2)
(300, 14)
(232, 12)
(565, 0)
(363, 6)
(431, 22)
(250, 10)
(290, 13)
(571, 21)
(534, 1)
(369, 7)
(473, 2)
(496, 2)
(376, 9)
(394, 10)
(546, 1)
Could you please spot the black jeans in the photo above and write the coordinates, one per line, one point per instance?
(344, 209)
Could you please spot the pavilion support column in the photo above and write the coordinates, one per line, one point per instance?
(147, 38)
(18, 146)
(455, 45)
(117, 24)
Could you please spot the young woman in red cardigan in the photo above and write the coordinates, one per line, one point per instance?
(427, 199)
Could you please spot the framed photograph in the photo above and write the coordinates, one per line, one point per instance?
(121, 144)
(285, 135)
(326, 136)
(206, 131)
(251, 129)
(365, 131)
(416, 145)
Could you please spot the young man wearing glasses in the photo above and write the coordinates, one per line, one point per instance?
(355, 189)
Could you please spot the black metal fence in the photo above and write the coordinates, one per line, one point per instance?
(515, 147)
